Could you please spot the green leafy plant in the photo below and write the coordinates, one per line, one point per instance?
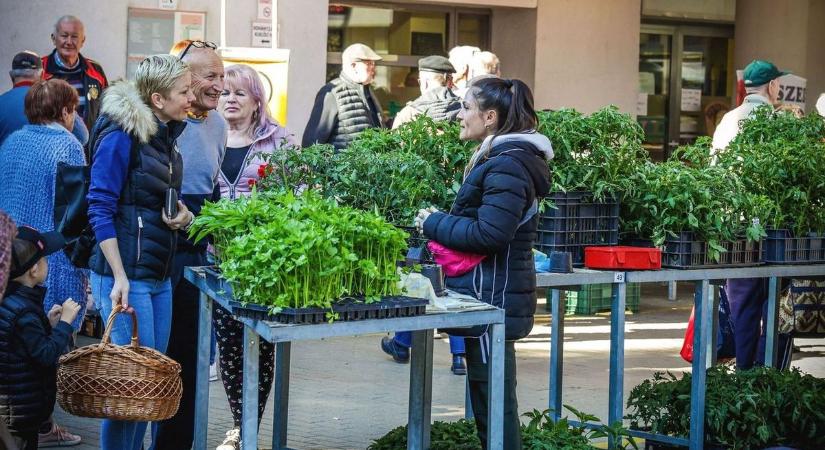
(595, 153)
(687, 194)
(780, 158)
(540, 433)
(285, 250)
(393, 173)
(749, 409)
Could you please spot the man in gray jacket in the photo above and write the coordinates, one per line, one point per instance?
(346, 106)
(436, 100)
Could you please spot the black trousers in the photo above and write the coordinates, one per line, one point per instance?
(25, 440)
(178, 432)
(477, 376)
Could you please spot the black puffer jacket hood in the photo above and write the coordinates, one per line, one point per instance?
(495, 214)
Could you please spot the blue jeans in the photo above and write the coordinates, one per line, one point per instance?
(404, 338)
(152, 302)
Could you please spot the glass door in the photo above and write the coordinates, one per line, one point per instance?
(686, 84)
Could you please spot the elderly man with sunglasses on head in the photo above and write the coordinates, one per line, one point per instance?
(202, 146)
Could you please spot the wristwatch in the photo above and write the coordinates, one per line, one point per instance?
(186, 227)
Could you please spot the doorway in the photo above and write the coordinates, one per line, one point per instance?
(686, 83)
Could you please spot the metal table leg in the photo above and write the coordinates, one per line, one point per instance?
(421, 390)
(702, 328)
(202, 373)
(713, 342)
(468, 404)
(615, 406)
(280, 413)
(495, 388)
(772, 325)
(556, 354)
(249, 421)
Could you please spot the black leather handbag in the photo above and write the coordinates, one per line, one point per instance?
(71, 212)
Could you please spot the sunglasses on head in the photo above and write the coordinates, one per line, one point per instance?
(198, 44)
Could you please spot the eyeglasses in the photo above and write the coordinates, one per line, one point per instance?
(198, 44)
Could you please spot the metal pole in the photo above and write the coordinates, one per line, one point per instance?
(701, 335)
(280, 412)
(202, 371)
(249, 420)
(468, 404)
(556, 354)
(421, 378)
(616, 388)
(772, 325)
(495, 388)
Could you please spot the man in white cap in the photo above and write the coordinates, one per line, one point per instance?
(461, 57)
(346, 106)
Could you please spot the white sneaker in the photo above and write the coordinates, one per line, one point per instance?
(232, 441)
(213, 372)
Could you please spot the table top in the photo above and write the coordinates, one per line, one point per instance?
(210, 284)
(588, 276)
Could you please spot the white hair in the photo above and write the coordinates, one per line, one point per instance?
(25, 74)
(485, 63)
(68, 18)
(461, 57)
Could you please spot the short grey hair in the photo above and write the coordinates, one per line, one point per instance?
(485, 63)
(761, 89)
(26, 74)
(461, 57)
(68, 18)
(157, 74)
(436, 77)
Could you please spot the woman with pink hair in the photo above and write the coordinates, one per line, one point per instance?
(252, 134)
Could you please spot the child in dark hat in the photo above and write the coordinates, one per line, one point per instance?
(31, 341)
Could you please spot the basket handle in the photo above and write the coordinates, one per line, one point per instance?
(118, 309)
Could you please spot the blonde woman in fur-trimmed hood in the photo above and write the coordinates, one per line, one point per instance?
(135, 166)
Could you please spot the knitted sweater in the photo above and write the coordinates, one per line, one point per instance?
(28, 165)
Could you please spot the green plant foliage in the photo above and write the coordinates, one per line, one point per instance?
(756, 408)
(391, 172)
(781, 159)
(540, 433)
(285, 250)
(595, 153)
(686, 193)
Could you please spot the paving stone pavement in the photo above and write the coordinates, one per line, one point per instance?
(345, 392)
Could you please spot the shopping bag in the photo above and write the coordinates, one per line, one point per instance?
(725, 344)
(454, 262)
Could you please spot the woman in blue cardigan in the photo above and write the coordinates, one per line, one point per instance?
(28, 167)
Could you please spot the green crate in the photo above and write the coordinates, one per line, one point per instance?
(593, 298)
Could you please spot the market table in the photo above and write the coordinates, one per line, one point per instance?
(705, 326)
(282, 335)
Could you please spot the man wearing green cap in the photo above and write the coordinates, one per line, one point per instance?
(762, 88)
(748, 297)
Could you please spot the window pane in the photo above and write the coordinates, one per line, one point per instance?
(654, 84)
(707, 80)
(388, 31)
(473, 29)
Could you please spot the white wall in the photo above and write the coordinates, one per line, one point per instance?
(587, 54)
(27, 24)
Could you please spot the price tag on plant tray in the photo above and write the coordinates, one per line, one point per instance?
(618, 277)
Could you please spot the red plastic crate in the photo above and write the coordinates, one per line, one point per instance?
(622, 257)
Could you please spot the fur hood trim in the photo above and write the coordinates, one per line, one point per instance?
(122, 104)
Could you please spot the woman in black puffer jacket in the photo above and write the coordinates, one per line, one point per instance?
(494, 214)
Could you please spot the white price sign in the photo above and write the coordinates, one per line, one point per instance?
(262, 34)
(168, 4)
(618, 277)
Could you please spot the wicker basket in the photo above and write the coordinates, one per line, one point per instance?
(119, 382)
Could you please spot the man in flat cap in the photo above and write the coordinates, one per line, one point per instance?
(346, 106)
(436, 100)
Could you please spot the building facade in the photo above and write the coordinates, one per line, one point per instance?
(671, 63)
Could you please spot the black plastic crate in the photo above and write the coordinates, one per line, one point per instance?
(685, 252)
(781, 247)
(577, 221)
(417, 249)
(348, 309)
